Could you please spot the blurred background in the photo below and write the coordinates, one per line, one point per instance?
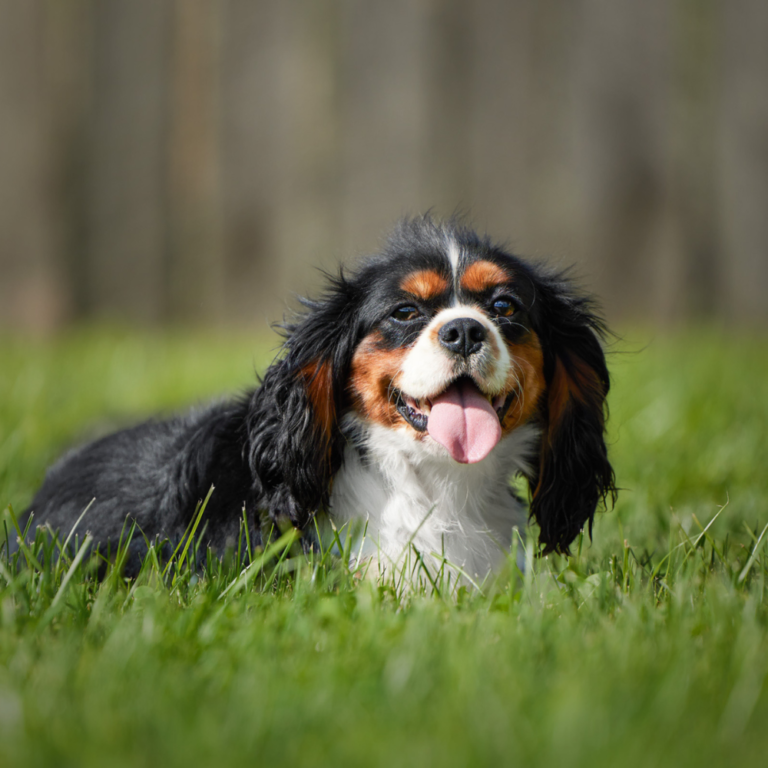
(193, 161)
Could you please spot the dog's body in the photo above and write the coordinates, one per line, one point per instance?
(407, 398)
(155, 474)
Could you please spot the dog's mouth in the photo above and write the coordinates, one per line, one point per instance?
(462, 418)
(416, 412)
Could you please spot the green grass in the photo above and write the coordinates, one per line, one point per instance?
(649, 647)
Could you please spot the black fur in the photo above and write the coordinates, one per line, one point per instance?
(272, 454)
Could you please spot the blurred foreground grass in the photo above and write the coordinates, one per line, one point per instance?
(648, 648)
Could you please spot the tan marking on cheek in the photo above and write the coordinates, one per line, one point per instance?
(526, 375)
(319, 383)
(425, 284)
(482, 275)
(372, 373)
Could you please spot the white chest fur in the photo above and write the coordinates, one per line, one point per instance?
(413, 492)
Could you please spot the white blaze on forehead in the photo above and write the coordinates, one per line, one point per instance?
(454, 254)
(429, 368)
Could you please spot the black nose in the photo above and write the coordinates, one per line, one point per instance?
(462, 336)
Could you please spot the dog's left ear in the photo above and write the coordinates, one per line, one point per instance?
(573, 473)
(295, 444)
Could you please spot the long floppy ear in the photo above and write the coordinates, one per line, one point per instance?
(294, 443)
(573, 473)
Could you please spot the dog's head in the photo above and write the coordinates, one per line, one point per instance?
(454, 344)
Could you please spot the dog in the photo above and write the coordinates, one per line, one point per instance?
(406, 398)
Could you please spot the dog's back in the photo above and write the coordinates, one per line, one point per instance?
(155, 474)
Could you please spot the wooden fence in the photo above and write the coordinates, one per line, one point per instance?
(193, 160)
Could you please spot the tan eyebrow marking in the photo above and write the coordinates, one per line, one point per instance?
(425, 284)
(482, 275)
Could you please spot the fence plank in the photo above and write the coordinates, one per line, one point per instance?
(384, 117)
(67, 58)
(196, 275)
(499, 110)
(308, 143)
(448, 66)
(128, 162)
(744, 159)
(30, 295)
(619, 130)
(249, 167)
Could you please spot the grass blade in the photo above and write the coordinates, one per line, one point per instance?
(755, 551)
(256, 567)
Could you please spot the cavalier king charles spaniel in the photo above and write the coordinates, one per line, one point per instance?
(407, 397)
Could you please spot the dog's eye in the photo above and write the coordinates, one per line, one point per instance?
(403, 314)
(503, 307)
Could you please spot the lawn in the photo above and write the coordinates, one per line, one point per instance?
(649, 647)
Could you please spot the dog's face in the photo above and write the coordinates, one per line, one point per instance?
(452, 343)
(452, 359)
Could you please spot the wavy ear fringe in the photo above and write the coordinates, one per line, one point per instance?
(294, 443)
(574, 474)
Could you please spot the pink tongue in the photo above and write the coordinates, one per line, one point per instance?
(464, 422)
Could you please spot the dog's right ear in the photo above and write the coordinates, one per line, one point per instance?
(295, 446)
